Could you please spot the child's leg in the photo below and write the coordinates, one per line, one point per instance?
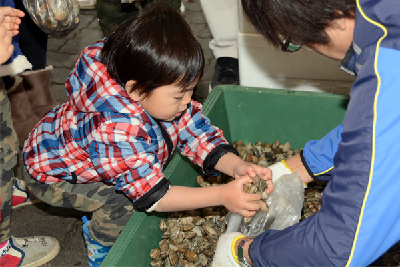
(111, 210)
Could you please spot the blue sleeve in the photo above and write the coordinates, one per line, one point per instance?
(317, 155)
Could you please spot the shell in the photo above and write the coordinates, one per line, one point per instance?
(190, 234)
(187, 227)
(208, 230)
(176, 239)
(183, 246)
(164, 248)
(163, 225)
(186, 220)
(191, 256)
(165, 235)
(155, 253)
(260, 184)
(173, 247)
(156, 263)
(173, 258)
(202, 260)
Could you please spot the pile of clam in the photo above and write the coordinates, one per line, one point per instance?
(312, 199)
(194, 235)
(55, 17)
(264, 154)
(258, 186)
(189, 237)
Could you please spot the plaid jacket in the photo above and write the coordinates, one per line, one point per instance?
(101, 134)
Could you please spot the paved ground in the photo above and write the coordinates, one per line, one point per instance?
(64, 224)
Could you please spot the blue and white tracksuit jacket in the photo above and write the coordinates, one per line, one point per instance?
(359, 218)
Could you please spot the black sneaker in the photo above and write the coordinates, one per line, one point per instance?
(226, 72)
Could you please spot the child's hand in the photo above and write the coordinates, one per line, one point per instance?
(236, 201)
(245, 168)
(10, 19)
(6, 48)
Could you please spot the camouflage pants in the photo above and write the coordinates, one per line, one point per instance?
(8, 159)
(111, 210)
(111, 13)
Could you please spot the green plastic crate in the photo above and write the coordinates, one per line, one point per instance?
(243, 113)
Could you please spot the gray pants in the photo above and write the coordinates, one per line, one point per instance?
(111, 210)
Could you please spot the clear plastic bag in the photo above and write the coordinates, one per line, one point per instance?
(285, 204)
(55, 17)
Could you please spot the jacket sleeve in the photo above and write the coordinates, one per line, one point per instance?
(200, 141)
(122, 154)
(317, 155)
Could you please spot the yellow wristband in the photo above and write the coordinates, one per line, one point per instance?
(233, 247)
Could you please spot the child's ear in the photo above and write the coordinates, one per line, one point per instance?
(133, 94)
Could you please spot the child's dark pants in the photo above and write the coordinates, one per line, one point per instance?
(111, 210)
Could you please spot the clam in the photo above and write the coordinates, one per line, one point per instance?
(191, 256)
(173, 258)
(155, 253)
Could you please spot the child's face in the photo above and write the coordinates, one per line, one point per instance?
(165, 102)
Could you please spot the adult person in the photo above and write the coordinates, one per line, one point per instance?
(29, 91)
(31, 251)
(223, 20)
(358, 220)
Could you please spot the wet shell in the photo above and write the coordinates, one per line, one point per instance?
(196, 243)
(191, 256)
(164, 248)
(208, 230)
(190, 234)
(155, 253)
(156, 263)
(187, 227)
(183, 246)
(173, 258)
(260, 184)
(186, 220)
(176, 239)
(173, 247)
(209, 253)
(165, 235)
(202, 260)
(286, 147)
(163, 225)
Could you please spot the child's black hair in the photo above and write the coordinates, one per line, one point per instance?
(155, 48)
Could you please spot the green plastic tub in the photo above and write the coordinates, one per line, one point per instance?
(243, 113)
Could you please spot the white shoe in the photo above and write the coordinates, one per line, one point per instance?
(29, 252)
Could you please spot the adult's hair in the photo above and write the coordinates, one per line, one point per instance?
(303, 21)
(155, 48)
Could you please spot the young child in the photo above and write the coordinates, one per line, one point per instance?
(129, 107)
